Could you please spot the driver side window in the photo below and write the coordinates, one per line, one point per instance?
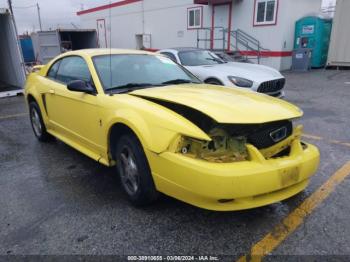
(73, 68)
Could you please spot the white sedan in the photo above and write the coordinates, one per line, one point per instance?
(211, 69)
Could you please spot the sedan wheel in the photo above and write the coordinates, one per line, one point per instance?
(37, 122)
(129, 171)
(34, 117)
(134, 171)
(213, 82)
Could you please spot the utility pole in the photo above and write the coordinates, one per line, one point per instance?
(10, 6)
(18, 41)
(39, 17)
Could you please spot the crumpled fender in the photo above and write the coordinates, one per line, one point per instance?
(156, 132)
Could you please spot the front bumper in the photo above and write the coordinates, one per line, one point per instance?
(234, 186)
(254, 88)
(279, 92)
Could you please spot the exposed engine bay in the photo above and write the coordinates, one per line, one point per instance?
(222, 148)
(228, 140)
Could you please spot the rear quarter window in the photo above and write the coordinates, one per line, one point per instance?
(53, 70)
(73, 68)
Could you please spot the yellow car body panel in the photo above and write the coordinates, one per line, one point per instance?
(229, 105)
(239, 185)
(85, 121)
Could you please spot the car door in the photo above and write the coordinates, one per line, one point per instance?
(74, 115)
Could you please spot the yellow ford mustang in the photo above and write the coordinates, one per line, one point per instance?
(214, 147)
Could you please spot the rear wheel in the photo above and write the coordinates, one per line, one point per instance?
(37, 123)
(134, 171)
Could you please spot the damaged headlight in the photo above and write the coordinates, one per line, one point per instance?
(222, 148)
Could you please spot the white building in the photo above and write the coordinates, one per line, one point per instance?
(246, 26)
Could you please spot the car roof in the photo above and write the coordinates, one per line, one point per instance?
(107, 51)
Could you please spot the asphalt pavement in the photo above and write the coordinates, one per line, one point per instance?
(56, 201)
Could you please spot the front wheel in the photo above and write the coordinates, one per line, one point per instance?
(37, 123)
(213, 82)
(134, 171)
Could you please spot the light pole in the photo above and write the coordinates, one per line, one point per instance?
(17, 38)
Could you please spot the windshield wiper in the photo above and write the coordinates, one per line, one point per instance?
(129, 87)
(134, 86)
(178, 81)
(216, 60)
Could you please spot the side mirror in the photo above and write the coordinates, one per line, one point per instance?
(80, 86)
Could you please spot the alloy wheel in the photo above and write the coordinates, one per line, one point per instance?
(128, 170)
(35, 118)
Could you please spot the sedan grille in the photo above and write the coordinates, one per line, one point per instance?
(271, 134)
(272, 86)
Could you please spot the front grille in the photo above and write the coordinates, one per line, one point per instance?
(262, 138)
(272, 86)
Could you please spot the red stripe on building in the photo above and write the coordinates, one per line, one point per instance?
(104, 7)
(212, 2)
(267, 53)
(248, 53)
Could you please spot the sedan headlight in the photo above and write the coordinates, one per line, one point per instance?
(222, 148)
(241, 82)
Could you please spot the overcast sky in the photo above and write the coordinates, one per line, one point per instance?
(55, 13)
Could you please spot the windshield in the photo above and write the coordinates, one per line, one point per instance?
(132, 71)
(199, 57)
(225, 57)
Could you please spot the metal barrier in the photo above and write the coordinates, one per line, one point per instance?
(240, 42)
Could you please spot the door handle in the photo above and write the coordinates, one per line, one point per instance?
(52, 91)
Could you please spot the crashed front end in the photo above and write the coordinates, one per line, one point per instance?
(247, 154)
(241, 167)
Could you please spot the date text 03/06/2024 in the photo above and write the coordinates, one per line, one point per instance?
(173, 258)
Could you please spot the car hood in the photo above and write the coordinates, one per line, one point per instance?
(224, 105)
(256, 73)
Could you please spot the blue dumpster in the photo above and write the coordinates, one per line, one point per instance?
(27, 49)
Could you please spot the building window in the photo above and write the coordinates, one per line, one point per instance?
(194, 17)
(265, 12)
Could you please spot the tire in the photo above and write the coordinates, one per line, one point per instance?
(134, 171)
(37, 123)
(213, 82)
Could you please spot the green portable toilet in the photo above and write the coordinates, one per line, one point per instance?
(314, 33)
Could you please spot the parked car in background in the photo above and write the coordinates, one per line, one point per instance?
(225, 57)
(213, 147)
(230, 58)
(211, 69)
